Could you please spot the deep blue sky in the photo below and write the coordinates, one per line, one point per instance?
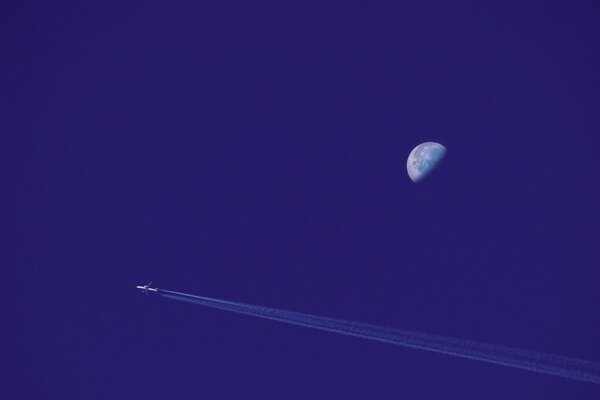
(256, 152)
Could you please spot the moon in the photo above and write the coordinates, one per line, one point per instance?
(423, 159)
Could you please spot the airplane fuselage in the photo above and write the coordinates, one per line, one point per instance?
(147, 288)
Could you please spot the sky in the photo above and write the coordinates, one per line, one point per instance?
(256, 152)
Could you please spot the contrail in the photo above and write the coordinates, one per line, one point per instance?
(565, 367)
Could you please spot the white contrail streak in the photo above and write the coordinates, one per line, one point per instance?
(550, 364)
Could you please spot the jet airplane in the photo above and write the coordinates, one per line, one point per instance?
(146, 288)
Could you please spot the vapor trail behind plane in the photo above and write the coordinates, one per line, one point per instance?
(550, 364)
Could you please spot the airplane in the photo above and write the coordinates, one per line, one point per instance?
(146, 288)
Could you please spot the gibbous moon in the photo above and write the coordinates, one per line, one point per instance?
(423, 159)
